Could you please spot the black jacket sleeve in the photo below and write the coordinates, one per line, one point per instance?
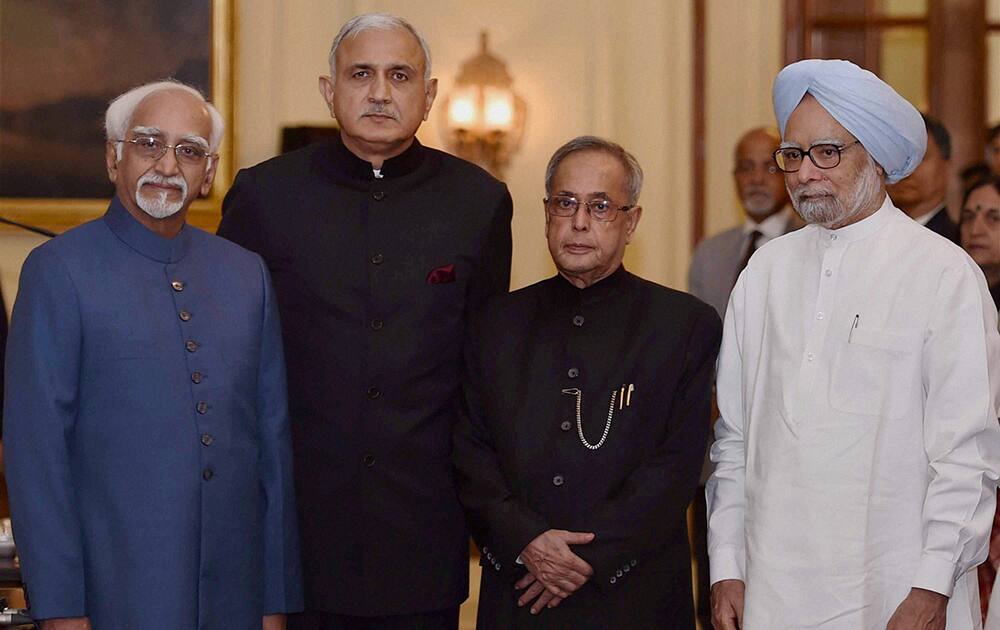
(501, 525)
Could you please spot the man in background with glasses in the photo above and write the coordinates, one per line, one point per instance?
(584, 420)
(146, 425)
(857, 450)
(715, 265)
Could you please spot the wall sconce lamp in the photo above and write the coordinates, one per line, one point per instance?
(484, 117)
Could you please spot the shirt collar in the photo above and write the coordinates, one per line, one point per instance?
(924, 219)
(771, 227)
(140, 238)
(863, 228)
(604, 288)
(354, 167)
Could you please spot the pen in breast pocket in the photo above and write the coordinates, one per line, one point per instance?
(857, 320)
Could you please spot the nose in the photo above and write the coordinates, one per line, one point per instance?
(581, 219)
(378, 92)
(808, 172)
(167, 164)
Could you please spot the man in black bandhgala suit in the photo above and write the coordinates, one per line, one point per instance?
(584, 418)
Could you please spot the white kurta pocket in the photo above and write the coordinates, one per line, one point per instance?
(870, 374)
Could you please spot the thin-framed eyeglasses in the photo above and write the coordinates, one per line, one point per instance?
(602, 210)
(826, 155)
(150, 148)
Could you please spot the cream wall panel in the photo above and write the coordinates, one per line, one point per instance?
(744, 53)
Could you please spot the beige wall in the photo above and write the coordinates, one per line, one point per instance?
(621, 70)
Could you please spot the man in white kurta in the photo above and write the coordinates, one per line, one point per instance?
(858, 448)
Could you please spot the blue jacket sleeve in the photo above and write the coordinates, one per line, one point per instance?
(42, 373)
(282, 563)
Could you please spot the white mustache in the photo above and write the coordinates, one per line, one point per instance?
(154, 178)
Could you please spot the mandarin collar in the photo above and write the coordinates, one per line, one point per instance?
(614, 284)
(350, 165)
(141, 239)
(863, 228)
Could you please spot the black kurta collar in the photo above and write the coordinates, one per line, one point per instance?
(144, 241)
(353, 167)
(611, 286)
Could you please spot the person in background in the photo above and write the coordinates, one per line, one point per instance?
(992, 156)
(980, 228)
(923, 194)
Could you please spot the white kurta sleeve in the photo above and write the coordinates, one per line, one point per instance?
(725, 490)
(961, 378)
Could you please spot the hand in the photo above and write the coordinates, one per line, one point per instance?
(921, 610)
(550, 560)
(727, 604)
(65, 623)
(274, 622)
(546, 598)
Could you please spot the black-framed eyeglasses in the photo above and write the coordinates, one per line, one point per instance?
(789, 159)
(150, 148)
(602, 210)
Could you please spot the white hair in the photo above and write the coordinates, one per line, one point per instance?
(119, 114)
(379, 22)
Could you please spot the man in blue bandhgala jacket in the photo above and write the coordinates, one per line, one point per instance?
(147, 435)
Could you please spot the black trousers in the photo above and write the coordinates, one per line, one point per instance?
(699, 544)
(321, 620)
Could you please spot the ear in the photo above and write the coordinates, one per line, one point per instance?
(206, 185)
(326, 90)
(111, 161)
(429, 95)
(633, 222)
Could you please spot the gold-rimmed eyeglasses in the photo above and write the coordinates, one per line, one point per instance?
(602, 210)
(150, 148)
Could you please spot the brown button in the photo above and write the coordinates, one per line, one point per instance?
(572, 372)
(207, 474)
(191, 345)
(202, 407)
(378, 195)
(368, 460)
(566, 425)
(177, 285)
(207, 439)
(196, 377)
(373, 392)
(185, 316)
(377, 324)
(377, 259)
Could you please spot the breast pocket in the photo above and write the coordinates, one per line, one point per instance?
(871, 374)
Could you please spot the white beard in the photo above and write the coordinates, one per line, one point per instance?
(157, 205)
(828, 210)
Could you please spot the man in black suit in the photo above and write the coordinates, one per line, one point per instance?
(923, 195)
(379, 249)
(584, 420)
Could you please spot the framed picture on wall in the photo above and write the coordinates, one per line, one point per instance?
(60, 65)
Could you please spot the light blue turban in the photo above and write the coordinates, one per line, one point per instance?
(888, 126)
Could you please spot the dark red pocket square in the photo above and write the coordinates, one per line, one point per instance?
(441, 275)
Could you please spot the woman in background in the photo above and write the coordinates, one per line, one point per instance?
(980, 234)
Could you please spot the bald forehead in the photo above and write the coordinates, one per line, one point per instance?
(756, 140)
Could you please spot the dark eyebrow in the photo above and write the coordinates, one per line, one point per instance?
(404, 67)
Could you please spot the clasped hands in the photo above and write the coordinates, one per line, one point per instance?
(554, 571)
